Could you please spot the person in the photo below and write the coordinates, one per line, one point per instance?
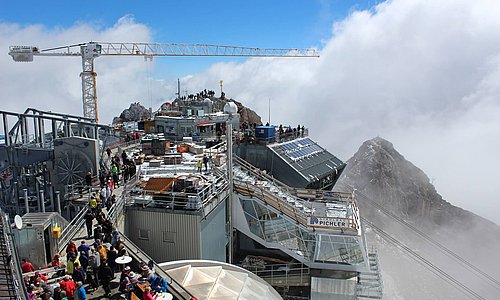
(101, 177)
(78, 273)
(56, 291)
(94, 263)
(55, 261)
(31, 292)
(93, 203)
(80, 291)
(114, 172)
(38, 278)
(105, 276)
(199, 165)
(108, 151)
(146, 295)
(70, 265)
(26, 266)
(84, 248)
(103, 252)
(89, 220)
(158, 284)
(63, 295)
(98, 234)
(68, 285)
(84, 260)
(114, 236)
(205, 162)
(70, 249)
(124, 278)
(88, 180)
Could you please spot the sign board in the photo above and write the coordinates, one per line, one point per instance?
(327, 222)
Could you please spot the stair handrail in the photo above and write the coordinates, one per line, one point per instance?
(15, 264)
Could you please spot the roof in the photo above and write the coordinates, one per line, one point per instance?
(159, 184)
(42, 219)
(206, 279)
(308, 158)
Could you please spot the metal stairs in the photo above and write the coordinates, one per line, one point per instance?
(8, 284)
(370, 285)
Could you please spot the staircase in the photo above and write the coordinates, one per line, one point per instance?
(370, 283)
(9, 285)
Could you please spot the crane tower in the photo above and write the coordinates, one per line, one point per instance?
(91, 50)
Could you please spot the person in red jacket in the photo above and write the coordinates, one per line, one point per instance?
(27, 266)
(69, 286)
(71, 249)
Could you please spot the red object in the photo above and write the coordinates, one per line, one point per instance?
(27, 267)
(69, 286)
(147, 296)
(71, 248)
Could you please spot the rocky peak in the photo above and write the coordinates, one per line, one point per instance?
(380, 171)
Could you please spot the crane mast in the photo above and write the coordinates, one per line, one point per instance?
(91, 50)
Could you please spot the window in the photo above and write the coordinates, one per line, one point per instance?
(143, 234)
(169, 237)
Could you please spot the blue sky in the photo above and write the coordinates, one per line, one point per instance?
(257, 23)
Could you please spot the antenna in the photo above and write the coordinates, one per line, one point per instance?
(269, 121)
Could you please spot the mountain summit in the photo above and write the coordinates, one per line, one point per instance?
(397, 197)
(382, 173)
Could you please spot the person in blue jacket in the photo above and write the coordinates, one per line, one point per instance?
(158, 283)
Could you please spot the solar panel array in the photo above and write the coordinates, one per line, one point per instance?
(300, 149)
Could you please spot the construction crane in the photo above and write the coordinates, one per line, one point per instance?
(91, 50)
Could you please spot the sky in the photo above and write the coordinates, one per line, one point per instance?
(424, 75)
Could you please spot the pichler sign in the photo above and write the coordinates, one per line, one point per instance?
(327, 222)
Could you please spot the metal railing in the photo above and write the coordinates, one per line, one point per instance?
(299, 196)
(174, 287)
(292, 274)
(17, 286)
(69, 232)
(203, 200)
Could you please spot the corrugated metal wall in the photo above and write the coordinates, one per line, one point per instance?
(170, 236)
(213, 234)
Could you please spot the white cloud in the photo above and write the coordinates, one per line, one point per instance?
(53, 83)
(423, 74)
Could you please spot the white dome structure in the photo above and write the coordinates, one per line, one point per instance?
(230, 108)
(207, 279)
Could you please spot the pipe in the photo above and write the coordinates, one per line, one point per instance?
(58, 196)
(26, 203)
(42, 200)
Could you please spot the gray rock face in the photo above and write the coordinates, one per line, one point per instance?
(400, 198)
(135, 112)
(380, 171)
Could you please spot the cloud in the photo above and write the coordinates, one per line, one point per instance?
(53, 83)
(423, 74)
